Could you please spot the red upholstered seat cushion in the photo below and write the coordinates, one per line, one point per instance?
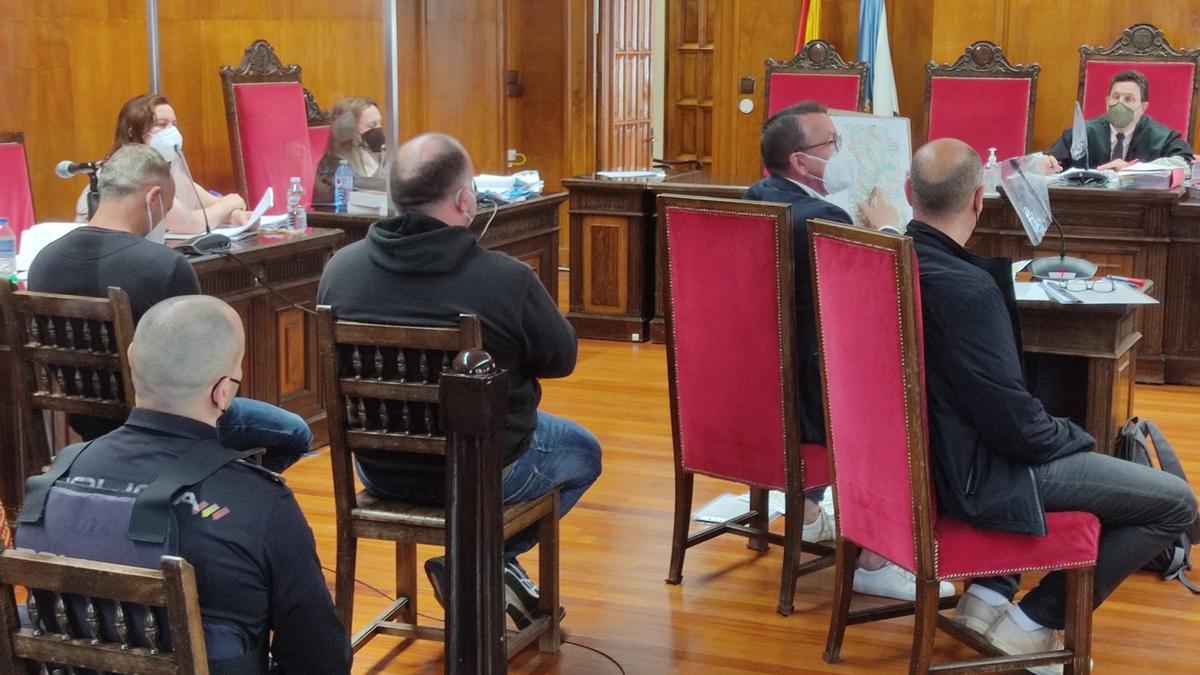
(965, 551)
(318, 140)
(1170, 90)
(835, 91)
(16, 197)
(273, 129)
(725, 327)
(983, 112)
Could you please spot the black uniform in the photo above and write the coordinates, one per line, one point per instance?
(242, 530)
(1148, 141)
(808, 364)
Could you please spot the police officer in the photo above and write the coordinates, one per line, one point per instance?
(254, 556)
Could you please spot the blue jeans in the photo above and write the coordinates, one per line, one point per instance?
(248, 423)
(562, 455)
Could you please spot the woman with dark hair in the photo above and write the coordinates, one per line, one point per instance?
(150, 119)
(355, 135)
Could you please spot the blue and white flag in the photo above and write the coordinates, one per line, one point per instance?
(874, 48)
(1079, 143)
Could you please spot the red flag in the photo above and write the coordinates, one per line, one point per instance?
(800, 36)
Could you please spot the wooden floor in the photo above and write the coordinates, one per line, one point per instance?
(722, 618)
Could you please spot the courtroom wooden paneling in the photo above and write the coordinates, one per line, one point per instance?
(1181, 328)
(65, 69)
(625, 118)
(691, 34)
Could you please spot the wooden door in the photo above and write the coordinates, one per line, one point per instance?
(691, 32)
(625, 75)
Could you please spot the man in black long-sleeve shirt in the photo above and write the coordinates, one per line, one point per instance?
(425, 267)
(1000, 461)
(257, 571)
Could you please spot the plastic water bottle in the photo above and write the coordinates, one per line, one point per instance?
(297, 217)
(343, 183)
(991, 174)
(8, 250)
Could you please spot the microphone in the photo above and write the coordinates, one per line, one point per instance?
(69, 169)
(1062, 265)
(208, 242)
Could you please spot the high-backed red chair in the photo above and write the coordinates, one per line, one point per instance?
(982, 100)
(268, 125)
(881, 469)
(734, 402)
(318, 127)
(815, 73)
(16, 196)
(1173, 75)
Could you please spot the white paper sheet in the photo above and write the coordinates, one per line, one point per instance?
(1121, 294)
(729, 505)
(37, 238)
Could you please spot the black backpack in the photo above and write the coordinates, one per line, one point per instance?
(1134, 443)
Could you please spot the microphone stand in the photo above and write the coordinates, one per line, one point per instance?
(208, 242)
(1055, 267)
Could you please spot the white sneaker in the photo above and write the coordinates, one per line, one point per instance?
(891, 581)
(974, 614)
(1011, 639)
(821, 529)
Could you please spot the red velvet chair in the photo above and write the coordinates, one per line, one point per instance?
(16, 196)
(268, 125)
(734, 404)
(1173, 75)
(982, 100)
(816, 73)
(318, 127)
(869, 318)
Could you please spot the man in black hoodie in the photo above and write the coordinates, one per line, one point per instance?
(424, 267)
(1000, 461)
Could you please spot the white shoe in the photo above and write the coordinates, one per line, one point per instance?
(974, 614)
(1011, 639)
(891, 581)
(821, 529)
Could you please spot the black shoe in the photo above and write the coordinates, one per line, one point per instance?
(521, 596)
(435, 569)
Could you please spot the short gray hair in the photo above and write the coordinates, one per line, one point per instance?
(182, 347)
(946, 187)
(132, 169)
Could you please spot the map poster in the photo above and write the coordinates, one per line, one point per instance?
(883, 148)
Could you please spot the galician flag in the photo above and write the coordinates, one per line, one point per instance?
(874, 48)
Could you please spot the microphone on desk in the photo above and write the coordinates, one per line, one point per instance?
(69, 169)
(208, 242)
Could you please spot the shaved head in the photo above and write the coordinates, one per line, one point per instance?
(945, 175)
(182, 348)
(429, 170)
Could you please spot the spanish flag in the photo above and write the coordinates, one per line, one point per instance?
(810, 21)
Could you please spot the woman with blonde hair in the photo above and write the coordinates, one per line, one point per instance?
(150, 119)
(356, 136)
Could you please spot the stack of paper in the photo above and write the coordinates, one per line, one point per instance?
(368, 202)
(1150, 177)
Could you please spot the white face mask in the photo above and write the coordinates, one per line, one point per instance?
(166, 140)
(841, 171)
(158, 229)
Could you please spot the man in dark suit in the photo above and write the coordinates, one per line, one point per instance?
(1125, 134)
(803, 152)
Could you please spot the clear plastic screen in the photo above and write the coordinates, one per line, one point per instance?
(1024, 183)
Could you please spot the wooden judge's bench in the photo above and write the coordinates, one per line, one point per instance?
(280, 365)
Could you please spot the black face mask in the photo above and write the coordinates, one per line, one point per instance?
(374, 139)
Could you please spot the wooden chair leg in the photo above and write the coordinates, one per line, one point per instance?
(406, 579)
(548, 600)
(925, 613)
(759, 504)
(1078, 634)
(684, 483)
(343, 584)
(843, 583)
(793, 532)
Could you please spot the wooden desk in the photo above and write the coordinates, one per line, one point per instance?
(527, 231)
(1181, 308)
(280, 366)
(1125, 232)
